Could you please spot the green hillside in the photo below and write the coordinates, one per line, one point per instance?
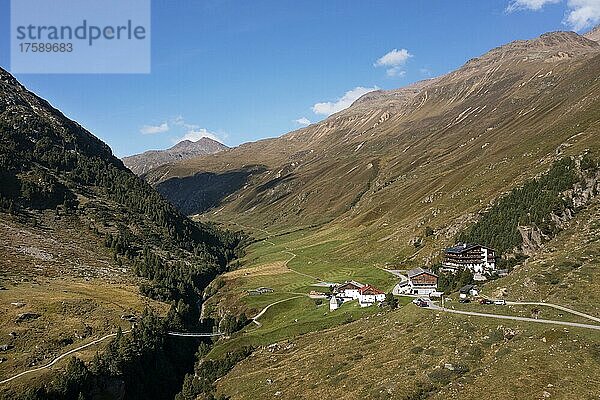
(502, 152)
(88, 246)
(433, 154)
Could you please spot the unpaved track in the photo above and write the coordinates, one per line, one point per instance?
(513, 318)
(264, 310)
(556, 306)
(57, 359)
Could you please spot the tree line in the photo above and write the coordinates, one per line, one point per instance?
(48, 162)
(529, 205)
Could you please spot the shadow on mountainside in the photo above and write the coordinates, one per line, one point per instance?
(205, 190)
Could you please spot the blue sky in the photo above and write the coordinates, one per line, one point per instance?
(246, 70)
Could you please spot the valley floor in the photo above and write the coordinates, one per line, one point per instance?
(305, 352)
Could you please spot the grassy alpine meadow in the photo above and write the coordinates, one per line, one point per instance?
(414, 353)
(293, 264)
(41, 320)
(295, 317)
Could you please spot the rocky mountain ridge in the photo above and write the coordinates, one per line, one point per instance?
(186, 149)
(431, 154)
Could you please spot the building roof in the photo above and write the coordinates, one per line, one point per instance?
(462, 247)
(419, 271)
(368, 289)
(467, 288)
(350, 285)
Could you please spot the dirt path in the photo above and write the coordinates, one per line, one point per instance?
(434, 307)
(556, 306)
(264, 310)
(57, 359)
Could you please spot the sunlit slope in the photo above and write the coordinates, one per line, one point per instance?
(431, 154)
(403, 354)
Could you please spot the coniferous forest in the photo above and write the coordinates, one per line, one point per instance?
(532, 205)
(48, 162)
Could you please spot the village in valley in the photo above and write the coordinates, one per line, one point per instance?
(463, 266)
(478, 261)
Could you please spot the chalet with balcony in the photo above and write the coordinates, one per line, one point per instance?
(420, 282)
(478, 259)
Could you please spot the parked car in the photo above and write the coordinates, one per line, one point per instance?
(464, 300)
(500, 302)
(421, 302)
(485, 301)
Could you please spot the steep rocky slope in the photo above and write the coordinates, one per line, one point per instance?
(84, 242)
(594, 34)
(144, 162)
(431, 154)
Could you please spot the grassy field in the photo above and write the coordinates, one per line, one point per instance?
(291, 264)
(64, 314)
(403, 355)
(290, 319)
(60, 289)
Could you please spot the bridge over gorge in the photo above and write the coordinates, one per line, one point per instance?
(62, 356)
(197, 334)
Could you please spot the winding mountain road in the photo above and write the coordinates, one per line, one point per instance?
(435, 307)
(264, 310)
(57, 359)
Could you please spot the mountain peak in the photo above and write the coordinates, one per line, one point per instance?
(190, 144)
(593, 34)
(186, 149)
(543, 46)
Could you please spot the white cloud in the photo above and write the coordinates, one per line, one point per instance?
(154, 129)
(192, 132)
(582, 14)
(302, 121)
(397, 72)
(518, 5)
(331, 107)
(180, 121)
(195, 135)
(394, 60)
(179, 125)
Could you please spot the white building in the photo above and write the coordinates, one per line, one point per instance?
(349, 289)
(369, 295)
(421, 282)
(468, 290)
(334, 303)
(474, 257)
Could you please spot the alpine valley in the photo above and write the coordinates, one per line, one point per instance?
(274, 247)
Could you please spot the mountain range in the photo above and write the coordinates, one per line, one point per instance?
(186, 149)
(504, 151)
(431, 154)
